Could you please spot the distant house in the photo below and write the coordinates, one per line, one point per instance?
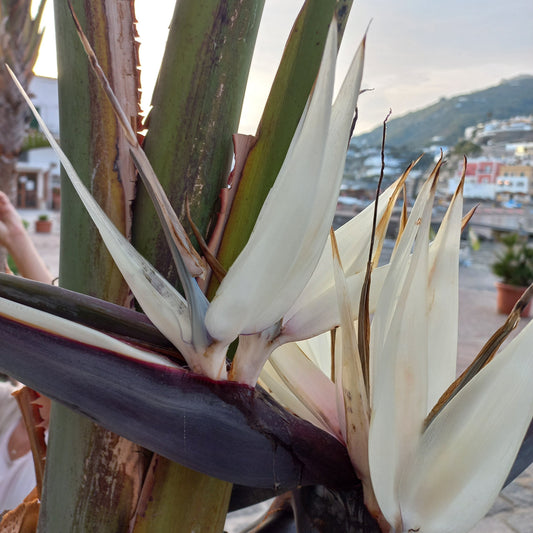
(482, 171)
(38, 182)
(480, 179)
(514, 182)
(493, 180)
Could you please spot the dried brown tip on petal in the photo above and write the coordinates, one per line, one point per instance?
(381, 230)
(332, 353)
(468, 217)
(463, 178)
(485, 355)
(363, 328)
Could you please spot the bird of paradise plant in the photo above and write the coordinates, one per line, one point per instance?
(165, 384)
(413, 432)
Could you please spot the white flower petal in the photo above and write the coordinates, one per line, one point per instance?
(82, 334)
(443, 312)
(161, 302)
(354, 391)
(276, 387)
(292, 227)
(466, 453)
(309, 384)
(399, 391)
(353, 240)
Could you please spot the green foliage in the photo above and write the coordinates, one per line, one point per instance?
(34, 139)
(44, 216)
(514, 265)
(468, 148)
(12, 265)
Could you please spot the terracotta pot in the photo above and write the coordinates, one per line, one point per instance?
(507, 296)
(43, 226)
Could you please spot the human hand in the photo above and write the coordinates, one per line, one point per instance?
(15, 238)
(11, 226)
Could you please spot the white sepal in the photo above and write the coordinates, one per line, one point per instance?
(466, 453)
(309, 384)
(292, 228)
(399, 354)
(443, 311)
(276, 387)
(161, 302)
(77, 332)
(251, 296)
(354, 391)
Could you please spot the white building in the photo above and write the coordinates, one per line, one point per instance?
(38, 183)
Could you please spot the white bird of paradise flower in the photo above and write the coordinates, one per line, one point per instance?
(434, 477)
(426, 465)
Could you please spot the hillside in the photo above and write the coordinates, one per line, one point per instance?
(448, 118)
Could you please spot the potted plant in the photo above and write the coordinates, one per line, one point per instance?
(514, 266)
(43, 224)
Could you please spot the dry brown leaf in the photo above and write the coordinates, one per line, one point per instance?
(22, 519)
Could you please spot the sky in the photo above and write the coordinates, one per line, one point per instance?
(417, 50)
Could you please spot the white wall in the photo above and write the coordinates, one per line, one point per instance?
(43, 92)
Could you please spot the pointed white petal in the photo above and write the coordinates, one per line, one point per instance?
(443, 311)
(79, 333)
(467, 451)
(354, 392)
(399, 391)
(161, 302)
(309, 384)
(353, 241)
(400, 262)
(272, 382)
(292, 227)
(243, 303)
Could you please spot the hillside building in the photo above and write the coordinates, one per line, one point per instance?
(495, 180)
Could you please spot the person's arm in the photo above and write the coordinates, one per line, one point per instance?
(15, 238)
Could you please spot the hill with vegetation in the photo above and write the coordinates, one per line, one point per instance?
(445, 121)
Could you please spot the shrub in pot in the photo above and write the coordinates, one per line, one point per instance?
(514, 267)
(43, 224)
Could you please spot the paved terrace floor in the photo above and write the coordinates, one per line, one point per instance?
(478, 319)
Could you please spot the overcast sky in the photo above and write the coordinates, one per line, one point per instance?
(418, 50)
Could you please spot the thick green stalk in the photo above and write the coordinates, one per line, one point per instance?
(92, 476)
(196, 502)
(288, 96)
(196, 109)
